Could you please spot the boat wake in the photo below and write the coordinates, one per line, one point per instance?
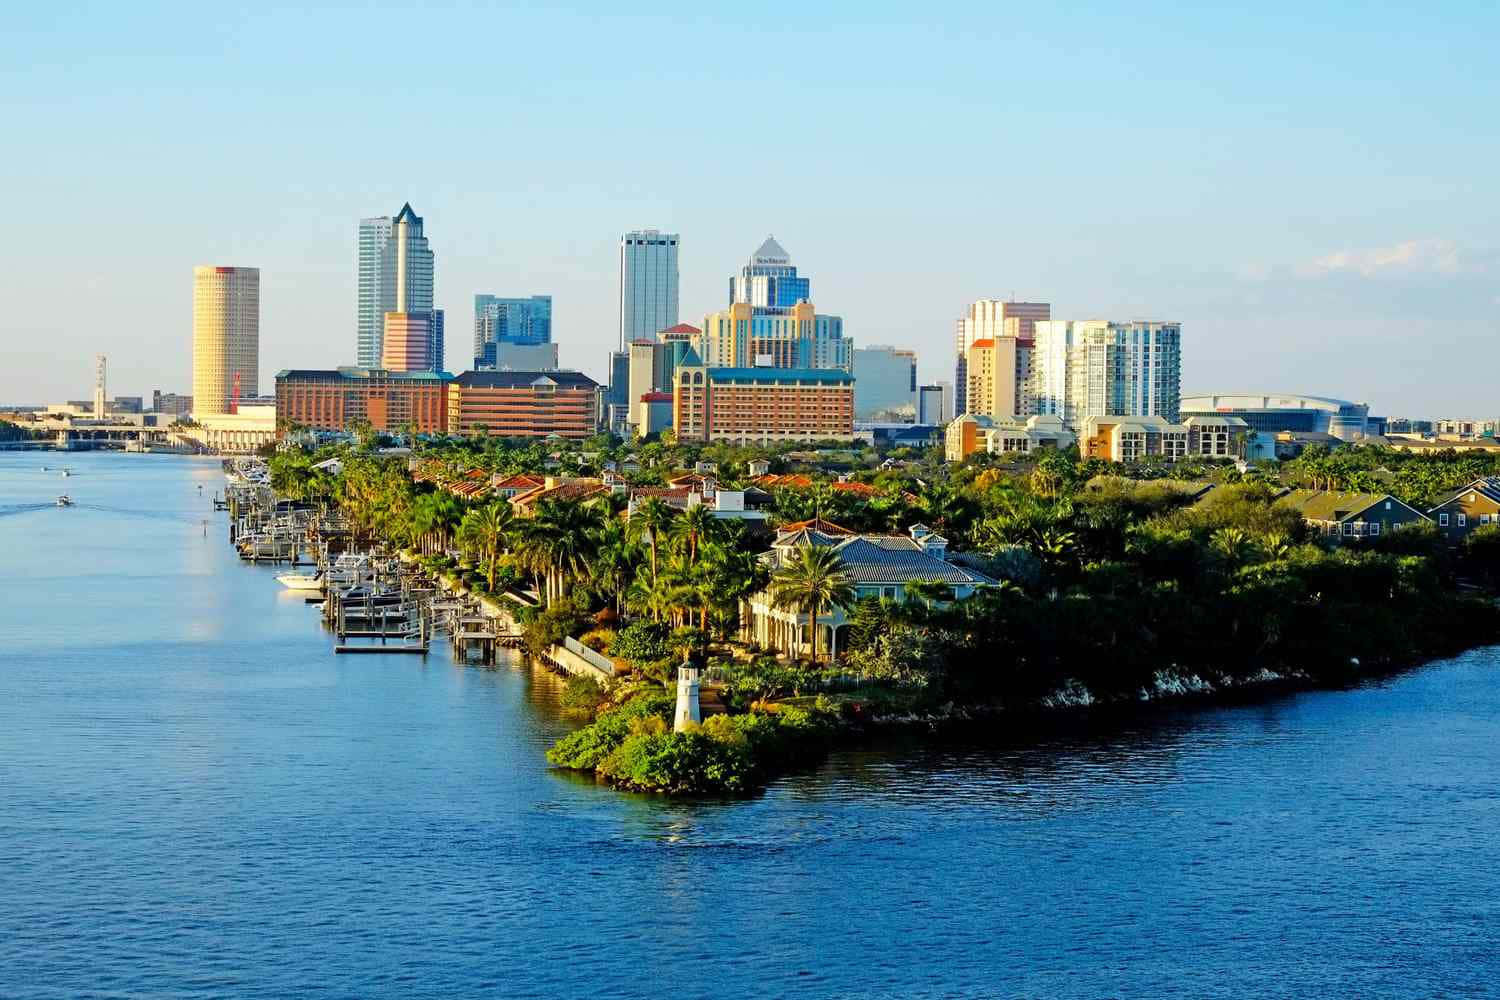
(7, 509)
(155, 515)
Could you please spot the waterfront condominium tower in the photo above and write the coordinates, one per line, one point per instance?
(226, 337)
(995, 319)
(648, 284)
(396, 261)
(1098, 368)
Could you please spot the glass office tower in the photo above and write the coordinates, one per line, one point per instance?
(648, 284)
(509, 321)
(379, 275)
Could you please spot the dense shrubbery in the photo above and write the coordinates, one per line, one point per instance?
(642, 642)
(546, 627)
(581, 697)
(1134, 584)
(633, 746)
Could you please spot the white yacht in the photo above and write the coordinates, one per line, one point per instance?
(65, 501)
(300, 581)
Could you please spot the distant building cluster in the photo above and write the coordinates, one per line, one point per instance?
(768, 366)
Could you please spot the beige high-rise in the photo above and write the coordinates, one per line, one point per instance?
(994, 320)
(226, 336)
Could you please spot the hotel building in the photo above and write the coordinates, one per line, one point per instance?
(334, 400)
(761, 405)
(770, 321)
(226, 337)
(516, 404)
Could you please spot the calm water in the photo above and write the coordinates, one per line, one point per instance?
(198, 799)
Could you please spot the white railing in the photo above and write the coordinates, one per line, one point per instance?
(593, 657)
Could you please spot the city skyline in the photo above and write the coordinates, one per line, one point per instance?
(1277, 215)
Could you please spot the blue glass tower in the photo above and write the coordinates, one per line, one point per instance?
(509, 321)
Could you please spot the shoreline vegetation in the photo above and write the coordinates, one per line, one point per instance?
(1116, 586)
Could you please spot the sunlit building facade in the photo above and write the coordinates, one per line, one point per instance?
(648, 284)
(338, 399)
(226, 337)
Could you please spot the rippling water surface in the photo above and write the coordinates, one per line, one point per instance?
(198, 799)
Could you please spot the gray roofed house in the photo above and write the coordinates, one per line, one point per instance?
(1461, 510)
(1344, 515)
(877, 566)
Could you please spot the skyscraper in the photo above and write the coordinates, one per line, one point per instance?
(395, 261)
(377, 288)
(991, 319)
(648, 284)
(1097, 368)
(509, 321)
(770, 279)
(762, 328)
(226, 337)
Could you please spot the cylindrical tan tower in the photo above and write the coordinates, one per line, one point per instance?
(226, 336)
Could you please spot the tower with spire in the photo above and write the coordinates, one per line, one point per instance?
(769, 280)
(396, 278)
(771, 321)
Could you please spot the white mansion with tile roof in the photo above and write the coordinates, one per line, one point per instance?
(877, 566)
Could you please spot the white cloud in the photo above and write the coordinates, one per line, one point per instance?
(1411, 257)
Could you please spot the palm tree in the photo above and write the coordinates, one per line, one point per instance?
(486, 528)
(560, 541)
(652, 594)
(695, 524)
(928, 592)
(1233, 544)
(654, 517)
(811, 583)
(616, 562)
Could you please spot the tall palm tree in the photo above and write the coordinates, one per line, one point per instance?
(422, 521)
(562, 537)
(652, 594)
(693, 526)
(653, 516)
(486, 528)
(811, 583)
(616, 562)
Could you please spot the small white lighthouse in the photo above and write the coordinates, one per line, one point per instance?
(687, 697)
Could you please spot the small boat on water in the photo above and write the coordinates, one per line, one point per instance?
(66, 473)
(65, 501)
(300, 581)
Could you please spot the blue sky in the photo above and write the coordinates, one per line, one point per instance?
(1309, 189)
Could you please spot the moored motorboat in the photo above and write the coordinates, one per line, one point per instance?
(300, 581)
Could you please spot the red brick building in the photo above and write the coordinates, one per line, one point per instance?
(523, 404)
(333, 400)
(762, 405)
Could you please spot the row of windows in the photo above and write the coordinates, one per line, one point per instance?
(1463, 519)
